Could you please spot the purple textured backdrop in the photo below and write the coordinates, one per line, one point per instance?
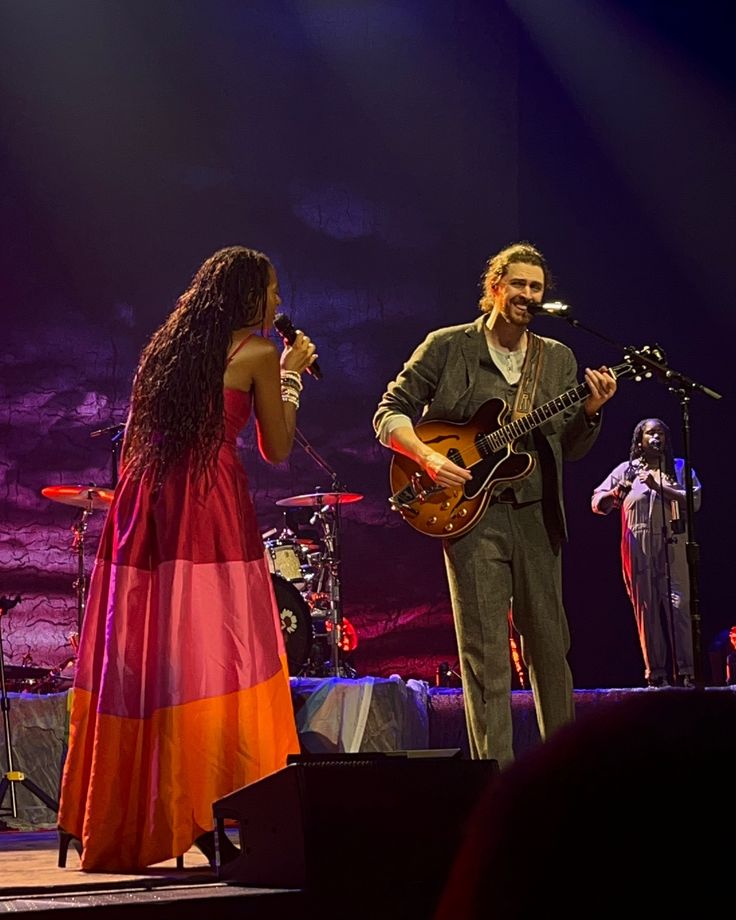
(378, 152)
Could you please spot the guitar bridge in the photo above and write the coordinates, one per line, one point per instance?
(412, 493)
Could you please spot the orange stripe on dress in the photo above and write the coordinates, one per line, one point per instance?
(136, 813)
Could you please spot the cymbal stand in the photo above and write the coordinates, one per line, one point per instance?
(328, 518)
(13, 776)
(79, 529)
(329, 521)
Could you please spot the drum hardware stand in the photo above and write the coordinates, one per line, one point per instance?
(13, 776)
(329, 562)
(79, 528)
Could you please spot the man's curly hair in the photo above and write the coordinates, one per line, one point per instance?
(496, 268)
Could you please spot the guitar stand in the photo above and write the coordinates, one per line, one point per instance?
(12, 776)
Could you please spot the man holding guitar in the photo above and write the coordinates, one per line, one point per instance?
(482, 470)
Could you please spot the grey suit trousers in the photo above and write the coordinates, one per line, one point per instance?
(509, 554)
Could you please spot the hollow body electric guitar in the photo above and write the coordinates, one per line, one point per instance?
(484, 445)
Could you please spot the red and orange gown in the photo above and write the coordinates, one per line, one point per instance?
(181, 693)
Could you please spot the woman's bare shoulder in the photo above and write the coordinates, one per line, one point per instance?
(254, 357)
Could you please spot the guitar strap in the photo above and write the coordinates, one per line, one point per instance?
(530, 372)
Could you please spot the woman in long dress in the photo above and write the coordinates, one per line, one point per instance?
(181, 693)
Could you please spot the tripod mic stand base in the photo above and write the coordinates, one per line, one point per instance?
(16, 776)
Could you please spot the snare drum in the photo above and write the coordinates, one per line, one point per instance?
(284, 559)
(296, 624)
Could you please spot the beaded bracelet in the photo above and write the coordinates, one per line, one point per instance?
(289, 396)
(292, 379)
(291, 386)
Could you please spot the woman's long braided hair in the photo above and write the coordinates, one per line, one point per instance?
(637, 451)
(177, 403)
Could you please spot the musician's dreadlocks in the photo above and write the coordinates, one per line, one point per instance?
(637, 451)
(177, 401)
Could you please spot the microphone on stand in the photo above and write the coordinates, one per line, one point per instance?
(554, 308)
(286, 330)
(111, 429)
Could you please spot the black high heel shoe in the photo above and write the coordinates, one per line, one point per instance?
(205, 843)
(65, 838)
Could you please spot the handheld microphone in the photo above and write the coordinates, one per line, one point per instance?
(286, 330)
(631, 472)
(676, 522)
(555, 308)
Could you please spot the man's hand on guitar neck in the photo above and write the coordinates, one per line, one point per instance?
(602, 386)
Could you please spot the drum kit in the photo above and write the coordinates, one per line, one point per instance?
(306, 578)
(305, 574)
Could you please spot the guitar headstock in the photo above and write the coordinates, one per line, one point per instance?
(640, 363)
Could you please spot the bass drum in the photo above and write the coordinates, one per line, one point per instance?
(296, 624)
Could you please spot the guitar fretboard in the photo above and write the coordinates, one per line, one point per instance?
(502, 437)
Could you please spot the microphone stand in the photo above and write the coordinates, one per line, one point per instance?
(116, 433)
(652, 363)
(337, 486)
(667, 541)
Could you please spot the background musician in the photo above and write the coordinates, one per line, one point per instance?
(649, 489)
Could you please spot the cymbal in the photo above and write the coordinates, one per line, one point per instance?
(318, 499)
(90, 497)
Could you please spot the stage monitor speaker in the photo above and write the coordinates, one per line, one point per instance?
(323, 822)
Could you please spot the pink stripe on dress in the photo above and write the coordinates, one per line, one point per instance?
(194, 642)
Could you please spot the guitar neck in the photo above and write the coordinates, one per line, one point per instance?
(511, 432)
